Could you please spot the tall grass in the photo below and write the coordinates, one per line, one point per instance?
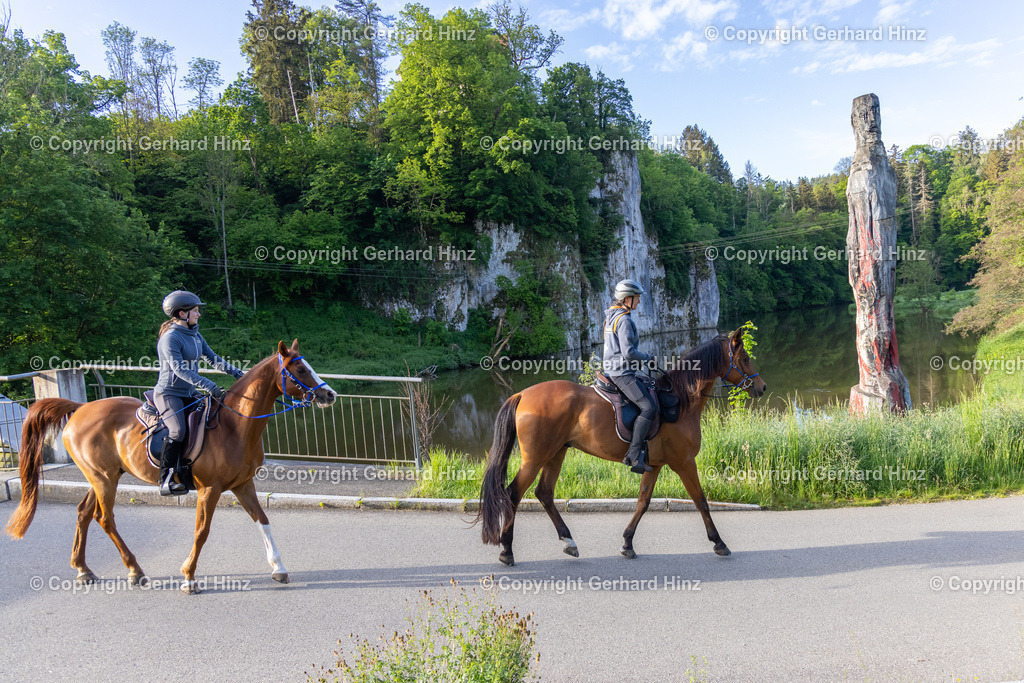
(800, 459)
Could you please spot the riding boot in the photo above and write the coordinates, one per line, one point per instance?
(636, 456)
(168, 464)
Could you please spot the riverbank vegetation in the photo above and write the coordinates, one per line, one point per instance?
(826, 457)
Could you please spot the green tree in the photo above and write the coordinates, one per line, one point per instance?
(528, 47)
(698, 148)
(276, 58)
(1000, 278)
(203, 79)
(85, 273)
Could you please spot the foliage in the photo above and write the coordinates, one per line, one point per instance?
(1000, 280)
(527, 304)
(309, 153)
(456, 636)
(84, 271)
(737, 395)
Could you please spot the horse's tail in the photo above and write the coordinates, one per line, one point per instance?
(495, 504)
(43, 422)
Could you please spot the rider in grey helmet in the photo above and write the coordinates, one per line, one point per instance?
(622, 360)
(179, 349)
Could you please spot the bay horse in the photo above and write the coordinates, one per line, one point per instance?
(105, 441)
(550, 417)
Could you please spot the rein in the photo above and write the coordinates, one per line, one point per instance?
(161, 420)
(305, 402)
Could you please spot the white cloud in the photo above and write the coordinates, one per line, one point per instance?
(845, 57)
(816, 103)
(638, 19)
(565, 21)
(613, 53)
(687, 47)
(801, 11)
(890, 11)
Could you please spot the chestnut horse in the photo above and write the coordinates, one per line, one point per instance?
(551, 417)
(105, 441)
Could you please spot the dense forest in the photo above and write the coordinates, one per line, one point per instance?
(116, 192)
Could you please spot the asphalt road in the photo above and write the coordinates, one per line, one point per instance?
(889, 593)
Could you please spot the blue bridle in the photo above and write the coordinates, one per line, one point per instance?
(305, 402)
(307, 396)
(747, 379)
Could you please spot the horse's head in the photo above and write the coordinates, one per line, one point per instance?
(299, 380)
(741, 371)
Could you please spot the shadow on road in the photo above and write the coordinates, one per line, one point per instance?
(940, 550)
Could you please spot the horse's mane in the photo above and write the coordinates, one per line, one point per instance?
(696, 366)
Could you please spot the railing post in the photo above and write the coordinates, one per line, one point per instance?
(101, 386)
(67, 384)
(415, 433)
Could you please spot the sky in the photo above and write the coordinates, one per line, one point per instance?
(772, 81)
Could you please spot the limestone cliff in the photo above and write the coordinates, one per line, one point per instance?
(470, 284)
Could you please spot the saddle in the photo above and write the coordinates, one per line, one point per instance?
(198, 421)
(666, 407)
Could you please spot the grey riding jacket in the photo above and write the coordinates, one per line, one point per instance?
(179, 351)
(621, 356)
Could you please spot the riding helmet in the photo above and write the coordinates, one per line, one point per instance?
(628, 288)
(180, 300)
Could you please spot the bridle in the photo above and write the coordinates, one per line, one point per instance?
(286, 374)
(747, 379)
(308, 395)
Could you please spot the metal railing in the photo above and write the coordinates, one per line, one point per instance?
(12, 415)
(364, 428)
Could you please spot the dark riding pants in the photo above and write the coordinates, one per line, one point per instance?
(630, 386)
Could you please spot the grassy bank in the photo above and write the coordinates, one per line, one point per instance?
(344, 338)
(798, 460)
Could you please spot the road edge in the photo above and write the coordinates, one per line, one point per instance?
(131, 494)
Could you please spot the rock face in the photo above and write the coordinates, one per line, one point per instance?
(871, 253)
(471, 284)
(637, 259)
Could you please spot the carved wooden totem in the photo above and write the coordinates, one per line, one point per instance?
(871, 253)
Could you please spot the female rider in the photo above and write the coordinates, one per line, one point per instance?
(622, 360)
(179, 348)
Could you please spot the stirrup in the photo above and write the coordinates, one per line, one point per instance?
(169, 487)
(640, 466)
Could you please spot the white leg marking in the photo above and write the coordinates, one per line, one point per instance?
(569, 543)
(273, 557)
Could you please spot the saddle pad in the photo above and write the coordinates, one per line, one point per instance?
(149, 418)
(626, 414)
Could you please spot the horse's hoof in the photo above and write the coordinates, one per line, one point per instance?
(85, 578)
(280, 577)
(570, 547)
(628, 553)
(190, 588)
(137, 580)
(723, 550)
(507, 559)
